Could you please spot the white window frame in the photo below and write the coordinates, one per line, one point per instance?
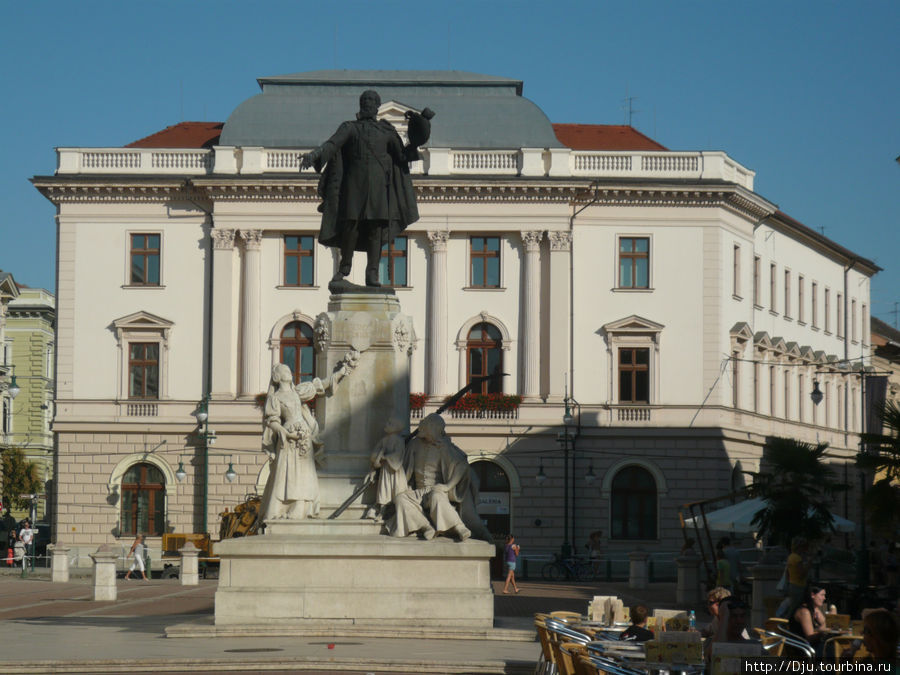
(162, 242)
(143, 327)
(650, 244)
(632, 332)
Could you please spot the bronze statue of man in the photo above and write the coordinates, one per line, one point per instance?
(367, 194)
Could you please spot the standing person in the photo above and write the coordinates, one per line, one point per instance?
(13, 544)
(595, 550)
(511, 557)
(734, 563)
(797, 571)
(723, 570)
(137, 551)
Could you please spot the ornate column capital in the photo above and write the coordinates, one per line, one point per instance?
(560, 240)
(252, 239)
(438, 239)
(223, 239)
(532, 239)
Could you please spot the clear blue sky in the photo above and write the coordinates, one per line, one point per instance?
(805, 93)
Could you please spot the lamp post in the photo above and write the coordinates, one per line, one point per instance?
(11, 387)
(567, 439)
(862, 560)
(203, 434)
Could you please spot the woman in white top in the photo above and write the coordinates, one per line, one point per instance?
(137, 550)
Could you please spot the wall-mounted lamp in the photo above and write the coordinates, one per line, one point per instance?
(11, 387)
(541, 476)
(816, 394)
(180, 473)
(230, 473)
(590, 476)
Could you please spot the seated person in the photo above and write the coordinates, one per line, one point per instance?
(713, 602)
(732, 625)
(808, 621)
(638, 631)
(881, 635)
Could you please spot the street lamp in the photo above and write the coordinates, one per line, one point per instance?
(564, 438)
(541, 476)
(816, 394)
(11, 387)
(180, 473)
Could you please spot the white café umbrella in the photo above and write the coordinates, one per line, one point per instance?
(738, 518)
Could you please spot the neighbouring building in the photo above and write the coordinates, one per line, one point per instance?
(886, 356)
(30, 331)
(9, 388)
(679, 317)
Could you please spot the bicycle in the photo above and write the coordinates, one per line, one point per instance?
(567, 568)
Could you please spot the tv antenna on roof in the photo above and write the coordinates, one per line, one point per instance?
(628, 107)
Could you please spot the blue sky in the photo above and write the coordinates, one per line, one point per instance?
(805, 93)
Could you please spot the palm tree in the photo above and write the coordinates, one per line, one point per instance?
(881, 455)
(798, 488)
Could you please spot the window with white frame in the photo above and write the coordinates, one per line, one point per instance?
(801, 299)
(736, 271)
(787, 294)
(144, 257)
(814, 297)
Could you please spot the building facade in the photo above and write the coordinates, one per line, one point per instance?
(651, 299)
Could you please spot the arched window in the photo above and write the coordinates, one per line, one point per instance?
(143, 501)
(493, 497)
(633, 512)
(297, 351)
(484, 355)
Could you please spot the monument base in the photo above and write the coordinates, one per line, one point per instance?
(354, 580)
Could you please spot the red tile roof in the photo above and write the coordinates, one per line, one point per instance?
(183, 135)
(604, 137)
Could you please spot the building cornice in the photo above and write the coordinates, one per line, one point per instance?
(732, 197)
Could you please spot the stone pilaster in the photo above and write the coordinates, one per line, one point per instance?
(560, 292)
(531, 353)
(104, 573)
(224, 305)
(250, 296)
(190, 569)
(436, 380)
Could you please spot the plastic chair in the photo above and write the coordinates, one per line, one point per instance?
(773, 622)
(773, 643)
(569, 652)
(567, 617)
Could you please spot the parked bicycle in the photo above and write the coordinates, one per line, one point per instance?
(572, 569)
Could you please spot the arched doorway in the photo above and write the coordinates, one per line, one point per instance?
(143, 501)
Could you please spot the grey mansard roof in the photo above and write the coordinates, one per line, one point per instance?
(473, 111)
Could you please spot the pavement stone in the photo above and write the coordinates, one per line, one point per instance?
(62, 630)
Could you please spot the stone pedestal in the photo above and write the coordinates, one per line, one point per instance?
(104, 573)
(335, 579)
(59, 563)
(190, 571)
(687, 589)
(638, 575)
(765, 579)
(352, 418)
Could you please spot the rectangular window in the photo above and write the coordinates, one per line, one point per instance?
(853, 331)
(773, 283)
(756, 387)
(484, 261)
(828, 403)
(772, 391)
(787, 395)
(757, 291)
(827, 324)
(840, 407)
(392, 268)
(736, 271)
(145, 260)
(735, 380)
(787, 293)
(143, 370)
(865, 324)
(634, 262)
(634, 375)
(814, 293)
(299, 260)
(800, 396)
(801, 290)
(839, 304)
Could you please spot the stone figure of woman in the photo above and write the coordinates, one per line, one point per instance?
(291, 440)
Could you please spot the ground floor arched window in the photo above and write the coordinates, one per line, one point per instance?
(143, 501)
(633, 504)
(297, 350)
(493, 497)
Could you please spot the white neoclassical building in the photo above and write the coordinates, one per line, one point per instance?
(680, 317)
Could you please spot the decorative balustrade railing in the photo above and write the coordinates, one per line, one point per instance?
(633, 414)
(141, 410)
(438, 162)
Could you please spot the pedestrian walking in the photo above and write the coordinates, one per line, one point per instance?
(137, 551)
(511, 557)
